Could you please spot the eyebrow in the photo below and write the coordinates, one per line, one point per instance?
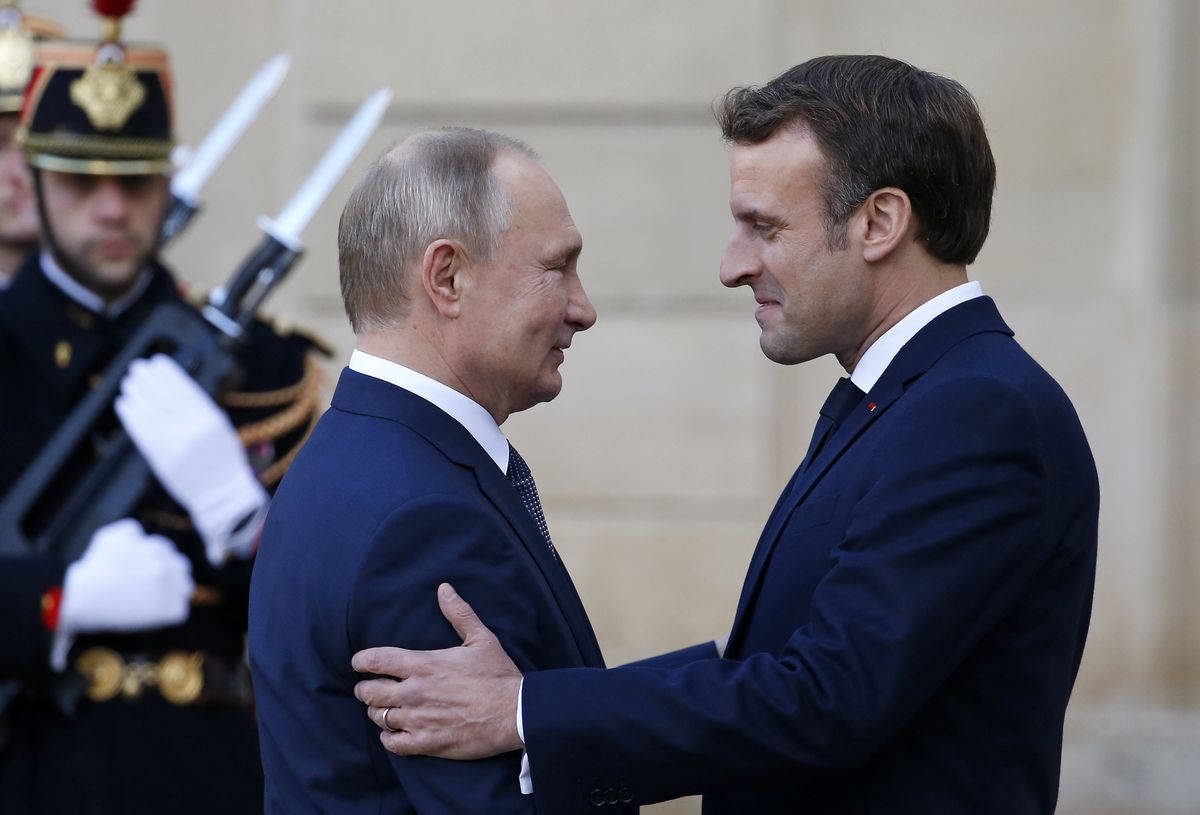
(567, 254)
(754, 214)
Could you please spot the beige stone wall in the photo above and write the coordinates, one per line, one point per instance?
(663, 455)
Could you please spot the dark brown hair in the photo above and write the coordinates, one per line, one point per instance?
(880, 122)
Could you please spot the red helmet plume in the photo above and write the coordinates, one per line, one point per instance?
(113, 8)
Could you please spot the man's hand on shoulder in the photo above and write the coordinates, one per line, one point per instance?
(458, 703)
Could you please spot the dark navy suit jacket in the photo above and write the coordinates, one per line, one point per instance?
(910, 626)
(389, 498)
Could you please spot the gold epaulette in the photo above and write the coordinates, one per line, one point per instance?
(285, 328)
(299, 405)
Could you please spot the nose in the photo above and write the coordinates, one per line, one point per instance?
(581, 314)
(110, 200)
(738, 263)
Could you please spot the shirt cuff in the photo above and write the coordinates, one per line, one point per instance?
(526, 778)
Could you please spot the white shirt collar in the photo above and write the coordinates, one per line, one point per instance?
(467, 412)
(87, 298)
(879, 356)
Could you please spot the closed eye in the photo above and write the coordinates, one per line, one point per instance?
(759, 223)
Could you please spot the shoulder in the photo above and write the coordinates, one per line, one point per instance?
(997, 369)
(279, 392)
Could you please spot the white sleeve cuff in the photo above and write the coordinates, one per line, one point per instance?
(525, 778)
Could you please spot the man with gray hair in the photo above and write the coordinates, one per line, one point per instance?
(458, 272)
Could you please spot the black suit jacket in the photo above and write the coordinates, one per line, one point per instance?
(910, 625)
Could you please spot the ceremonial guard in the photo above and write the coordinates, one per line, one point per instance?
(18, 218)
(131, 692)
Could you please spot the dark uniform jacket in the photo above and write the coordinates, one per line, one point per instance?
(143, 749)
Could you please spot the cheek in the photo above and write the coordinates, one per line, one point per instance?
(548, 304)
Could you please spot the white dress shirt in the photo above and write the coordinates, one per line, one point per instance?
(880, 354)
(464, 410)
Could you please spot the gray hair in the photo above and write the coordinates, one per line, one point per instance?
(437, 184)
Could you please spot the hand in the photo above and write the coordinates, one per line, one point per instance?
(194, 452)
(458, 703)
(125, 581)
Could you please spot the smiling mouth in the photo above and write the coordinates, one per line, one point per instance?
(763, 300)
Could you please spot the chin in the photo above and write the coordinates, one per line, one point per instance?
(781, 353)
(550, 389)
(110, 283)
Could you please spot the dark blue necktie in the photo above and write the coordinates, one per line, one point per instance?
(838, 405)
(522, 481)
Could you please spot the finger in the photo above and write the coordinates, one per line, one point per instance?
(385, 661)
(379, 692)
(404, 743)
(142, 380)
(460, 615)
(131, 409)
(169, 383)
(123, 528)
(377, 714)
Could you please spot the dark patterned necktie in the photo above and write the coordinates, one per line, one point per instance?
(841, 400)
(522, 481)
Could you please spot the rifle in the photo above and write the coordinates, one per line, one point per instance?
(57, 505)
(186, 184)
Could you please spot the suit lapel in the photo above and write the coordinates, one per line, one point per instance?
(975, 316)
(495, 485)
(358, 393)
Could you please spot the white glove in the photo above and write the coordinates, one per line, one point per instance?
(194, 451)
(125, 581)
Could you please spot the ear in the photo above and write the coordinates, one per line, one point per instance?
(886, 219)
(443, 268)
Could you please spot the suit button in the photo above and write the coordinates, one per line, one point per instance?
(597, 798)
(610, 796)
(626, 795)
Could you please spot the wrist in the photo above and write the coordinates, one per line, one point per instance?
(229, 519)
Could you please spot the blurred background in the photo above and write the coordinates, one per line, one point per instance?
(666, 450)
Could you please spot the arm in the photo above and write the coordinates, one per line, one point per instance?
(713, 649)
(24, 582)
(195, 453)
(394, 603)
(937, 550)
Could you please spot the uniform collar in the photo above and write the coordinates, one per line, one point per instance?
(87, 298)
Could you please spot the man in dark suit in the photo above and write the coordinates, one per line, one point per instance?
(914, 615)
(458, 269)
